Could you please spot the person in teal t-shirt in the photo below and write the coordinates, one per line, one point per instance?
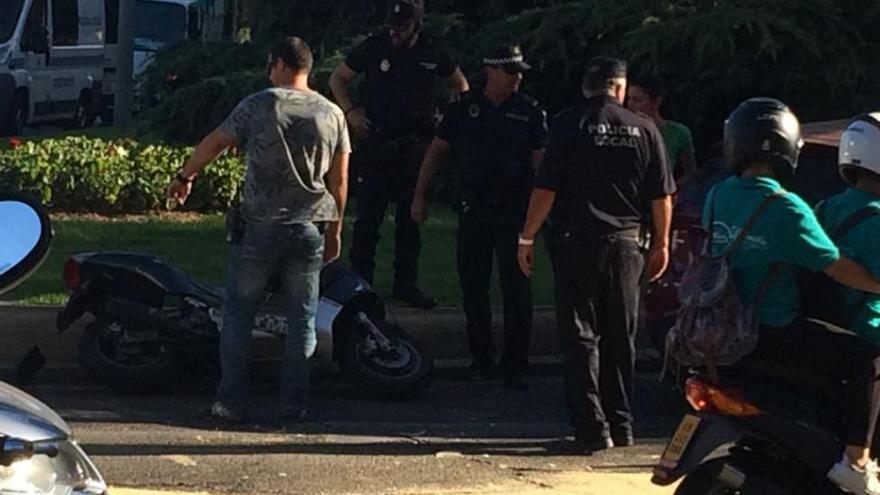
(761, 145)
(787, 232)
(645, 96)
(860, 167)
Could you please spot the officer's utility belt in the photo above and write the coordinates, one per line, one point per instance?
(590, 235)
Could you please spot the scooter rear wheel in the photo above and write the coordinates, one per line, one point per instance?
(129, 367)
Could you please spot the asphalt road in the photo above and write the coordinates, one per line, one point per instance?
(458, 438)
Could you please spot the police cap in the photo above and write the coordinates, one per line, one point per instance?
(404, 13)
(508, 57)
(601, 69)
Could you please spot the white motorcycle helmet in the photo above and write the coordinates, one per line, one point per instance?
(860, 147)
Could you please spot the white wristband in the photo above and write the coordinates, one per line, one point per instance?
(525, 242)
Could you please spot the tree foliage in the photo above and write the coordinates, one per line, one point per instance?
(820, 56)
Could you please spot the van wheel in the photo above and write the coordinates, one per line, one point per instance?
(84, 116)
(17, 117)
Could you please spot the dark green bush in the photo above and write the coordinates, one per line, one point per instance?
(185, 64)
(94, 175)
(188, 114)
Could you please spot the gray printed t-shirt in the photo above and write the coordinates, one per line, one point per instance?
(290, 137)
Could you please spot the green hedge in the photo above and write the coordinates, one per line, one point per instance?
(95, 175)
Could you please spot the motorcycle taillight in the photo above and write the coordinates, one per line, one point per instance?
(71, 274)
(703, 396)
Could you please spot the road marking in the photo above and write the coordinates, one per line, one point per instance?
(115, 490)
(183, 460)
(567, 483)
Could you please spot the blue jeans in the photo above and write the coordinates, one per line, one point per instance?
(294, 254)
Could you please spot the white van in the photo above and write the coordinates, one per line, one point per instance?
(51, 62)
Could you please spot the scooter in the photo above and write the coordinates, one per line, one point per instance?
(153, 324)
(37, 452)
(762, 429)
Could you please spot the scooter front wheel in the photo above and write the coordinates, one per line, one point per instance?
(399, 370)
(127, 364)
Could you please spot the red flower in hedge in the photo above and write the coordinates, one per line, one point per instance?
(14, 143)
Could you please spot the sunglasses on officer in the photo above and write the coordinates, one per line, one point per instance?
(508, 69)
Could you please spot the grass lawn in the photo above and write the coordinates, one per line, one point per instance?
(196, 244)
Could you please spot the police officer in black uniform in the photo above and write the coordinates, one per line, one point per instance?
(499, 135)
(395, 122)
(604, 176)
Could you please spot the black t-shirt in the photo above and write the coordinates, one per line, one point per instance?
(401, 86)
(606, 165)
(495, 144)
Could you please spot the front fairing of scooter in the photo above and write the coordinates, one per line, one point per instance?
(342, 292)
(23, 416)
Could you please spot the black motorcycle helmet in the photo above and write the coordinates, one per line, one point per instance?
(763, 130)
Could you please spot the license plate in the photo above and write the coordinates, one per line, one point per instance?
(676, 447)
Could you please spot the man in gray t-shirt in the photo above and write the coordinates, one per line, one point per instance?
(291, 137)
(297, 149)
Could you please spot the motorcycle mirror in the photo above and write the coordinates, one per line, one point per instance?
(27, 232)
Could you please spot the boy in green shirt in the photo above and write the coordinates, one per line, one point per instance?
(761, 144)
(859, 206)
(645, 96)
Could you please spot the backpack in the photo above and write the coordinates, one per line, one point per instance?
(714, 326)
(822, 298)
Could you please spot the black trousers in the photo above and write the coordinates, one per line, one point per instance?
(597, 301)
(388, 169)
(482, 231)
(838, 357)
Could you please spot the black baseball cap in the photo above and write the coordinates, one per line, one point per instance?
(405, 12)
(508, 57)
(603, 68)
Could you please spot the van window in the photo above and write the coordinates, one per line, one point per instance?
(65, 23)
(158, 24)
(9, 20)
(36, 36)
(91, 22)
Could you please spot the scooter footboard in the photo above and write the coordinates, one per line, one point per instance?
(697, 437)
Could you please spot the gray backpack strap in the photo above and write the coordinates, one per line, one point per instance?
(853, 221)
(850, 223)
(751, 222)
(772, 275)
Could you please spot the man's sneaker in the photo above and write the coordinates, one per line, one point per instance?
(622, 436)
(414, 297)
(226, 414)
(854, 479)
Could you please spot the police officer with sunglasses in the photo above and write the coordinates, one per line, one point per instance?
(499, 135)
